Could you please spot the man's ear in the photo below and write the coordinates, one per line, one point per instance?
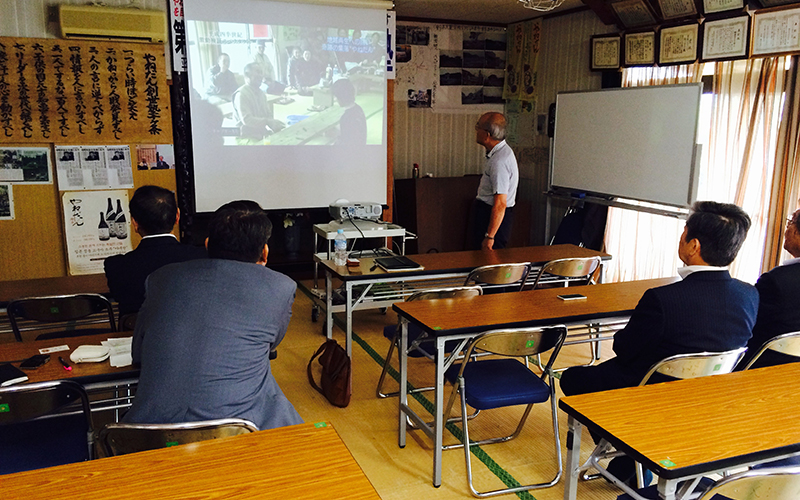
(206, 243)
(264, 254)
(178, 217)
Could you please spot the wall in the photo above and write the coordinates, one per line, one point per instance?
(32, 245)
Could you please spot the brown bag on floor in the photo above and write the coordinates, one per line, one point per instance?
(336, 375)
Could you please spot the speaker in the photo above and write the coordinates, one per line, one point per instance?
(551, 120)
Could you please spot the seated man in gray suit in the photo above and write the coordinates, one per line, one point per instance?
(154, 213)
(206, 328)
(778, 309)
(706, 311)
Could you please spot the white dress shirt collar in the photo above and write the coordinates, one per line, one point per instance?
(687, 270)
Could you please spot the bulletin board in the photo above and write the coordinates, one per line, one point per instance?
(69, 92)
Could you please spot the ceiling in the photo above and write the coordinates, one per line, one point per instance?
(473, 11)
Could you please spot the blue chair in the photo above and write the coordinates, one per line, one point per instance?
(419, 344)
(485, 384)
(779, 483)
(44, 424)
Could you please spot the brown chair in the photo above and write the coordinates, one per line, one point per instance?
(62, 311)
(124, 438)
(500, 277)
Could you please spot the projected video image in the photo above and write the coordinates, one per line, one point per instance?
(286, 85)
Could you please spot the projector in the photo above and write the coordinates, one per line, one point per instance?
(343, 210)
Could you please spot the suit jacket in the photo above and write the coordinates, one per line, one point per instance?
(706, 311)
(778, 311)
(126, 273)
(203, 338)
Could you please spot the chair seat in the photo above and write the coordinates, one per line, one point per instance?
(493, 383)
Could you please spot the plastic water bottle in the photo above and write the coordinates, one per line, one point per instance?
(340, 247)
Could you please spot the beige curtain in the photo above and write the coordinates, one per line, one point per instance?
(740, 133)
(785, 187)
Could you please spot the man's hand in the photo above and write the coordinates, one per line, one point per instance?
(487, 244)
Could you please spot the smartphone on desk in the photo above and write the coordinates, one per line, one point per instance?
(35, 362)
(572, 296)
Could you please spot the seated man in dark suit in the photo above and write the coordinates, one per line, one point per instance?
(706, 311)
(778, 309)
(206, 328)
(154, 213)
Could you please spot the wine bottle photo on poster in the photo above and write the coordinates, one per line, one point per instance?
(96, 226)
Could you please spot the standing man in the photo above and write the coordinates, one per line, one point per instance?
(153, 214)
(205, 331)
(778, 309)
(497, 192)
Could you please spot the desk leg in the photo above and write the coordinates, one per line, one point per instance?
(438, 418)
(573, 459)
(328, 305)
(348, 306)
(402, 351)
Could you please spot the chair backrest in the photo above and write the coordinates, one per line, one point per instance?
(500, 274)
(778, 483)
(787, 343)
(44, 424)
(520, 342)
(58, 308)
(580, 269)
(124, 438)
(446, 293)
(695, 365)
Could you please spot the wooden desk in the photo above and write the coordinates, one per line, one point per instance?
(96, 378)
(688, 428)
(439, 270)
(462, 319)
(297, 462)
(63, 285)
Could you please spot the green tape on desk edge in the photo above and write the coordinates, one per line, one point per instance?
(667, 463)
(319, 425)
(171, 443)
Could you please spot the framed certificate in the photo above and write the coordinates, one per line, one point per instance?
(640, 48)
(775, 31)
(712, 6)
(605, 52)
(775, 3)
(633, 13)
(678, 44)
(675, 9)
(725, 39)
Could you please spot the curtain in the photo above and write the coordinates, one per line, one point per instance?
(740, 127)
(786, 180)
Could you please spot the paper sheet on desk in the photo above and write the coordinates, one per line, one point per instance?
(119, 351)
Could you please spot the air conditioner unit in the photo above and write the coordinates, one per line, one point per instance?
(112, 23)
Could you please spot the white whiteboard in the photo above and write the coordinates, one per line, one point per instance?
(636, 143)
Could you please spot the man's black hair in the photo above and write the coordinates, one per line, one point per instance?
(721, 229)
(154, 209)
(344, 90)
(238, 231)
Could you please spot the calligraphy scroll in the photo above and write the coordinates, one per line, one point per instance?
(82, 91)
(522, 60)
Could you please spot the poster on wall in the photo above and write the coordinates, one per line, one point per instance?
(523, 61)
(93, 167)
(25, 165)
(6, 202)
(155, 157)
(415, 57)
(96, 226)
(82, 91)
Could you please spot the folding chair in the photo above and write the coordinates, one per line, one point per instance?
(679, 366)
(418, 347)
(575, 271)
(499, 277)
(486, 384)
(779, 483)
(788, 343)
(124, 438)
(44, 424)
(65, 309)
